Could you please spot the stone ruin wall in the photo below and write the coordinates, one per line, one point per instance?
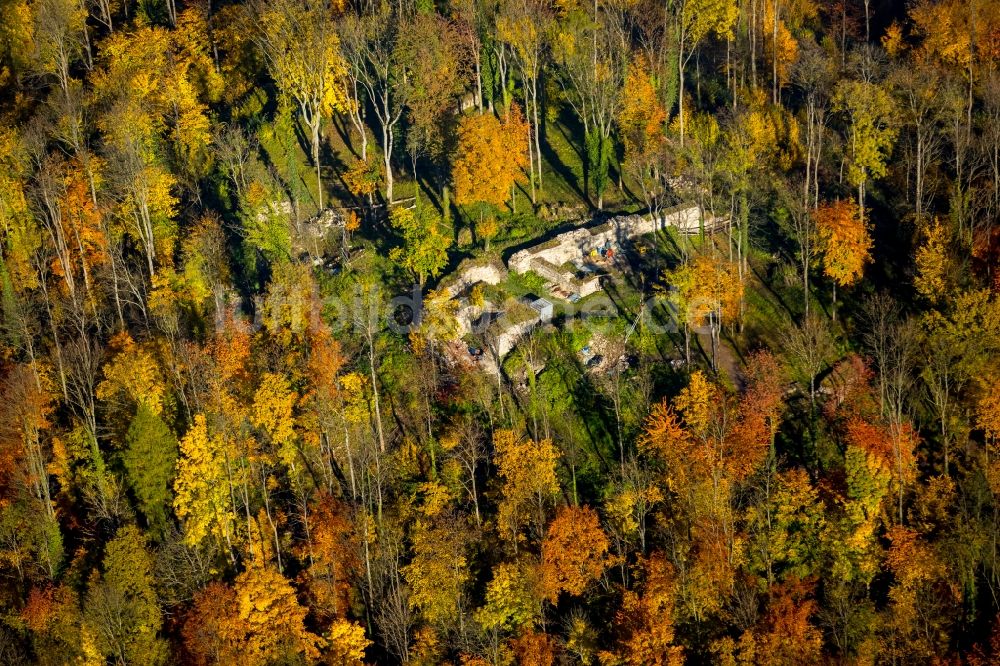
(576, 243)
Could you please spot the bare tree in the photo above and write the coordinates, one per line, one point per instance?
(60, 38)
(809, 348)
(525, 28)
(298, 40)
(814, 75)
(918, 90)
(369, 49)
(592, 74)
(880, 316)
(470, 454)
(803, 227)
(368, 320)
(237, 150)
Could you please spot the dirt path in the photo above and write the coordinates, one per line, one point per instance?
(729, 362)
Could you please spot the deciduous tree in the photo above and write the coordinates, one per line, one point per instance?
(301, 48)
(121, 609)
(490, 158)
(844, 241)
(425, 244)
(528, 471)
(574, 552)
(869, 109)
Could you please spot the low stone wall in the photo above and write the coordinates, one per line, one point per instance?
(575, 244)
(508, 337)
(489, 271)
(588, 286)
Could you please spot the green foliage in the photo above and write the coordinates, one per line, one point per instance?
(150, 457)
(529, 282)
(599, 149)
(121, 609)
(266, 227)
(425, 245)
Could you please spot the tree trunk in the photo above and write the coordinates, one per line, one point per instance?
(314, 126)
(774, 56)
(833, 308)
(479, 84)
(375, 396)
(680, 88)
(387, 161)
(538, 143)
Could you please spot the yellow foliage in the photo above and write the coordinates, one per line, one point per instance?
(988, 408)
(438, 573)
(133, 372)
(436, 498)
(353, 222)
(362, 179)
(16, 37)
(269, 622)
(528, 471)
(892, 40)
(487, 228)
(946, 29)
(933, 263)
(707, 286)
(695, 403)
(202, 499)
(303, 54)
(622, 507)
(347, 644)
(273, 406)
(787, 49)
(355, 388)
(869, 109)
(513, 597)
(18, 234)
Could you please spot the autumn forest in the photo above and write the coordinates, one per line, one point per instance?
(496, 332)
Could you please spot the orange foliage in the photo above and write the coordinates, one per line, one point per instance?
(38, 612)
(787, 50)
(325, 359)
(24, 414)
(205, 633)
(646, 617)
(850, 382)
(574, 553)
(910, 559)
(880, 442)
(844, 240)
(642, 115)
(788, 636)
(257, 621)
(231, 348)
(331, 555)
(707, 441)
(535, 648)
(664, 433)
(81, 221)
(759, 416)
(871, 438)
(491, 157)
